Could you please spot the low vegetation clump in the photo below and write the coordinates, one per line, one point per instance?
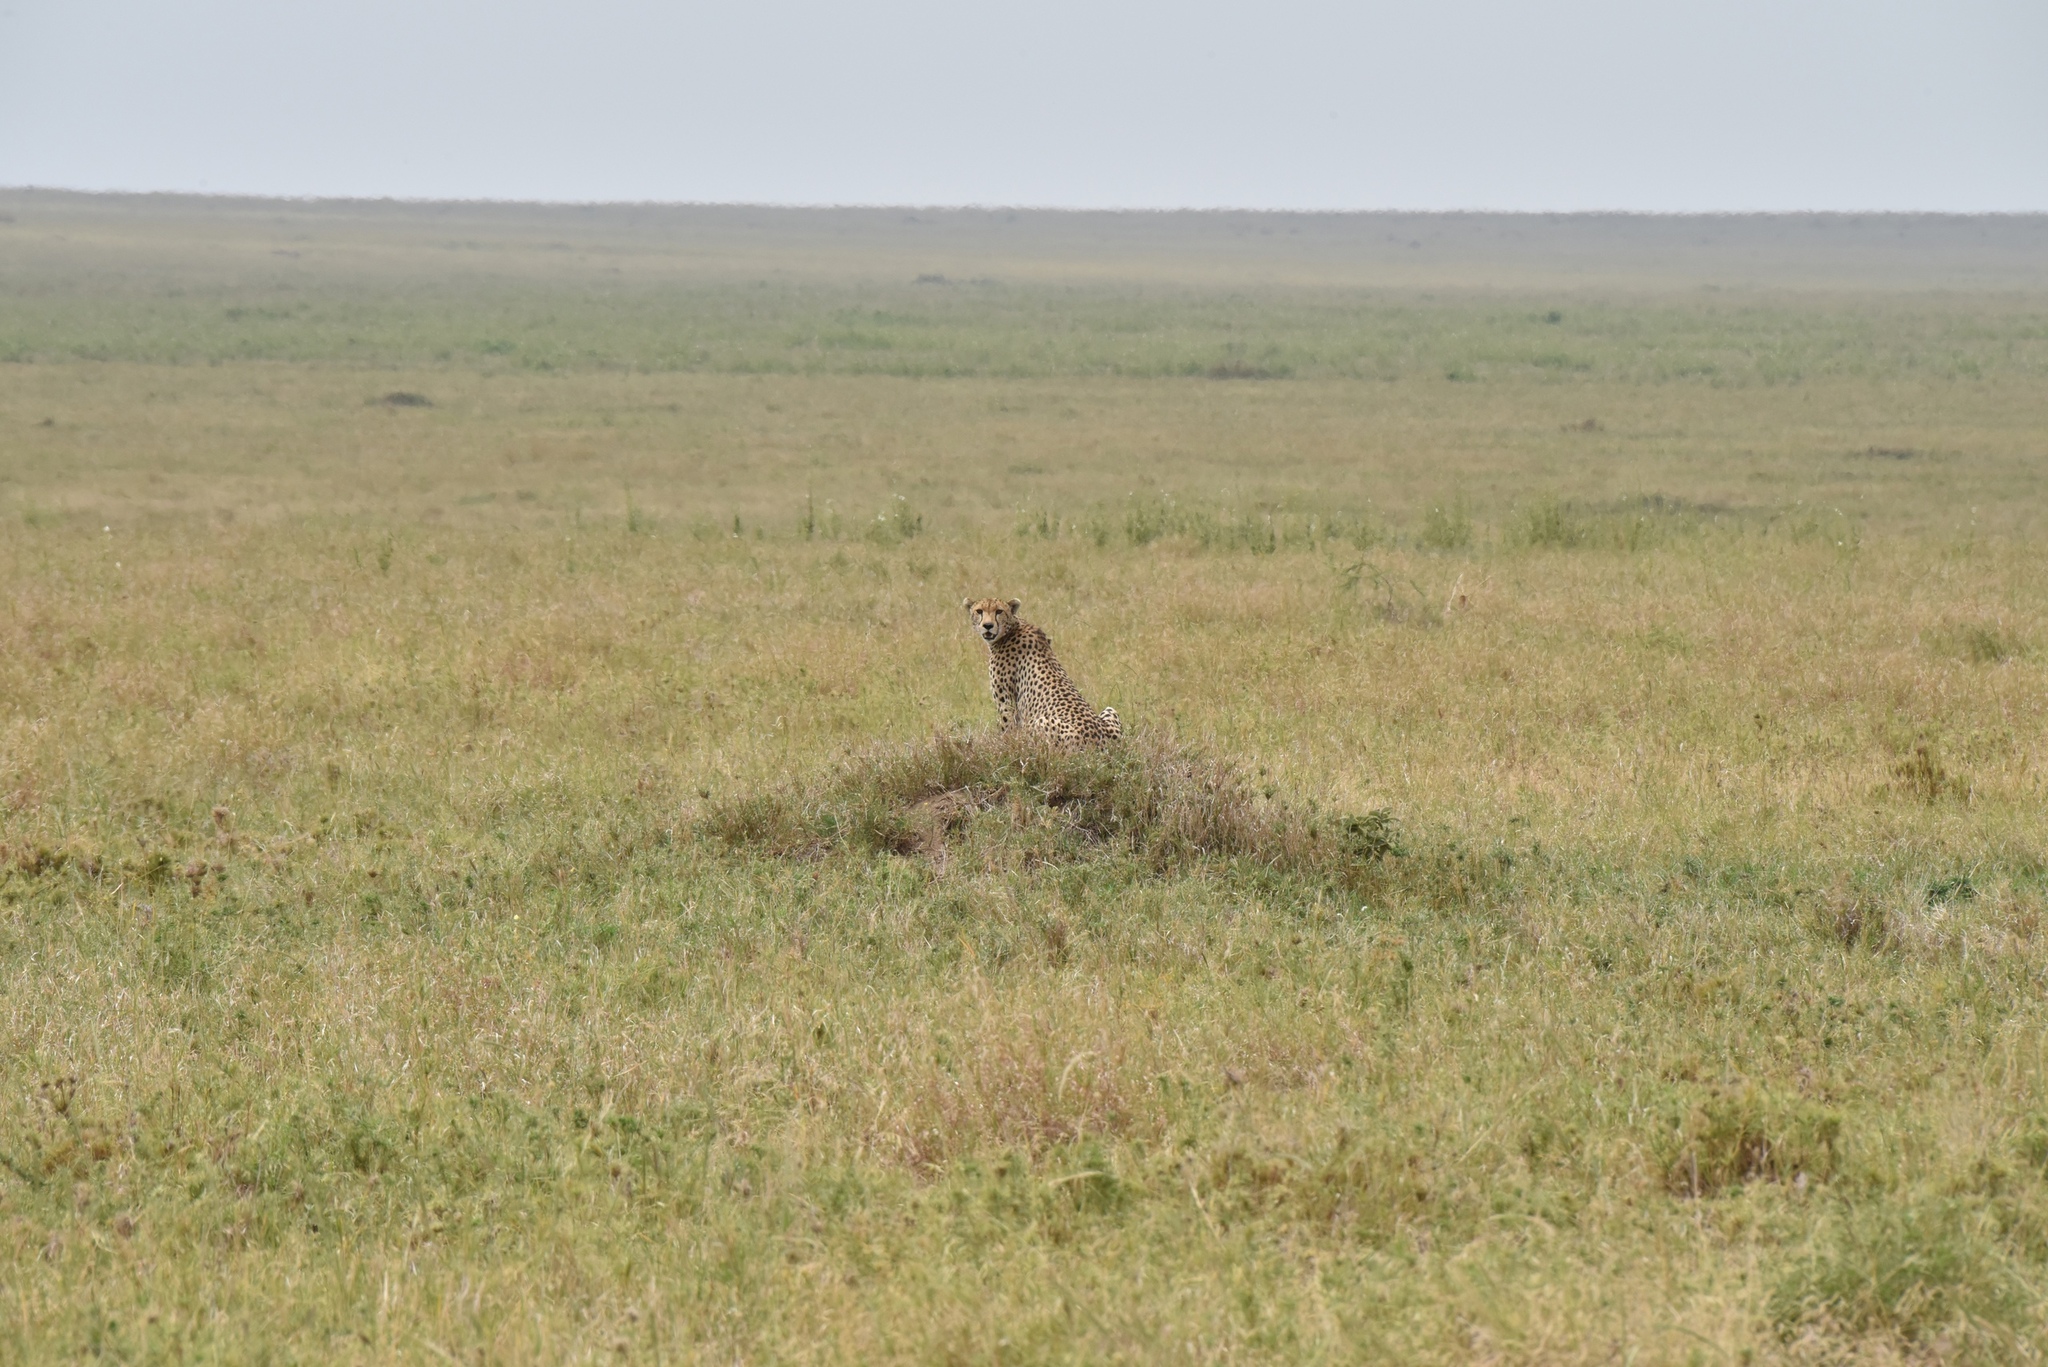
(1919, 1268)
(1626, 525)
(1984, 643)
(1744, 1134)
(1014, 798)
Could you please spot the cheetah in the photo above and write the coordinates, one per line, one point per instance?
(1030, 688)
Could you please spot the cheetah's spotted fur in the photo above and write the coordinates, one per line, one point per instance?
(1030, 688)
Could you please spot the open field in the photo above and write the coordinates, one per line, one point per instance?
(478, 879)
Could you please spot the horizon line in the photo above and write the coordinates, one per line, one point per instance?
(481, 201)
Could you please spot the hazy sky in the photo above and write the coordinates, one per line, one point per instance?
(1576, 104)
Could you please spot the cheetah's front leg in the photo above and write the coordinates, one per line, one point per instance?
(1003, 688)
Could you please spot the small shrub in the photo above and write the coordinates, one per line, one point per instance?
(1372, 837)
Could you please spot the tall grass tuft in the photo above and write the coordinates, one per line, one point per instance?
(1447, 526)
(1929, 1271)
(1548, 523)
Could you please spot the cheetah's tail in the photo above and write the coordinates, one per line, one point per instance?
(1112, 725)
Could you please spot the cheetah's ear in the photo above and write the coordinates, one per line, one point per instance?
(1015, 605)
(967, 603)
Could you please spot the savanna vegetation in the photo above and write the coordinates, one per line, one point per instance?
(504, 857)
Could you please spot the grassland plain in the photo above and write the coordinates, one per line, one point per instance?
(512, 876)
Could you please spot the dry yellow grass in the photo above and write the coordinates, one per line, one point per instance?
(370, 987)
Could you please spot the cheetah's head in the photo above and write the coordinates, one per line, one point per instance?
(993, 618)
